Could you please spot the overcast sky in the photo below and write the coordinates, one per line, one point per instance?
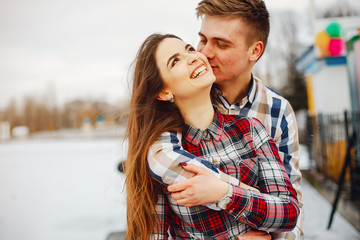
(73, 49)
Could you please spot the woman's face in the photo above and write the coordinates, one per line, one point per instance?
(185, 72)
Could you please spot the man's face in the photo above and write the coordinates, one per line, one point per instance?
(223, 42)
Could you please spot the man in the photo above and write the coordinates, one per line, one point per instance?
(233, 36)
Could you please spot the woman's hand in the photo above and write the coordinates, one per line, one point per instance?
(203, 188)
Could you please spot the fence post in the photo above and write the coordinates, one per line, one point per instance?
(322, 142)
(347, 162)
(353, 165)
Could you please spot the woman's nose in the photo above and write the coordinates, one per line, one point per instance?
(192, 57)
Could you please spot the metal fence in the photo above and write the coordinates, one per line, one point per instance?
(355, 190)
(328, 139)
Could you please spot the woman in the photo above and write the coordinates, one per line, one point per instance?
(171, 93)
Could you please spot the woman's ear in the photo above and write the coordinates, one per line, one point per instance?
(164, 95)
(256, 50)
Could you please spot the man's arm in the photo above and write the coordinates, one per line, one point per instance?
(274, 209)
(287, 141)
(288, 146)
(165, 155)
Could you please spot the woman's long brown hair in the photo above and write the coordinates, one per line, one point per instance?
(148, 118)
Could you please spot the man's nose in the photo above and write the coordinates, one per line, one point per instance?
(207, 50)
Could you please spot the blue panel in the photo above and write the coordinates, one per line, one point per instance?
(335, 61)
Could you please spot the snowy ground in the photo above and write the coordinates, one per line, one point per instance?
(317, 212)
(54, 189)
(61, 189)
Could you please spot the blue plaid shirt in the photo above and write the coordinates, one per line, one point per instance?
(278, 117)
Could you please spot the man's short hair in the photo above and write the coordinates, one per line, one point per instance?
(252, 12)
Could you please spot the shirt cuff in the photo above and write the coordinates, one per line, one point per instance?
(239, 201)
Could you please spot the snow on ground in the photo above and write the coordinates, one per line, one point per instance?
(317, 212)
(61, 189)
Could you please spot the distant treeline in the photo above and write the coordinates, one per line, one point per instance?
(41, 116)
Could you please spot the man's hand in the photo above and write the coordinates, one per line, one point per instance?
(203, 188)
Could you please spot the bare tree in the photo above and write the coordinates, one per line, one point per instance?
(341, 8)
(42, 116)
(11, 115)
(285, 48)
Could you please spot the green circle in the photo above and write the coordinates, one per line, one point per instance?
(334, 29)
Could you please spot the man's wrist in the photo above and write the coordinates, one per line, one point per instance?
(224, 201)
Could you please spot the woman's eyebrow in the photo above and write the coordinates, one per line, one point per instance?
(187, 46)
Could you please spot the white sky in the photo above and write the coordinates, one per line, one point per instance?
(82, 49)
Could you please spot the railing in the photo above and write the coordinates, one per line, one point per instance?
(327, 138)
(355, 177)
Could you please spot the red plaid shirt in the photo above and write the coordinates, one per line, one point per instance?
(241, 148)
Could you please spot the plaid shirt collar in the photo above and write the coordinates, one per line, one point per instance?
(195, 135)
(252, 93)
(249, 97)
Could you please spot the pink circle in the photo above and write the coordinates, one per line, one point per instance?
(336, 46)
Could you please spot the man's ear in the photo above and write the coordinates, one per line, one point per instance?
(164, 95)
(256, 50)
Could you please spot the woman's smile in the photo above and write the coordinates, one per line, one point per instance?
(200, 70)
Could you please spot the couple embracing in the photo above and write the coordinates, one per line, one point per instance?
(213, 153)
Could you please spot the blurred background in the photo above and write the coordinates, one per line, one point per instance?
(64, 91)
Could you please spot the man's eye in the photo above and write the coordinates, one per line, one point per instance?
(220, 45)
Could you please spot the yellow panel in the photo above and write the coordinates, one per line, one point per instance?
(310, 95)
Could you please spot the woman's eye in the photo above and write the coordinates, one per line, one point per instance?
(174, 62)
(191, 49)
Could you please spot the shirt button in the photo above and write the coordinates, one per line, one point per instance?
(208, 143)
(216, 161)
(231, 211)
(204, 134)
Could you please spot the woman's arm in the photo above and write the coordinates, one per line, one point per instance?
(277, 192)
(276, 207)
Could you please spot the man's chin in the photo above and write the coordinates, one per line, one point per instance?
(219, 79)
(219, 76)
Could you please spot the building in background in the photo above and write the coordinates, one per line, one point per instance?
(332, 69)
